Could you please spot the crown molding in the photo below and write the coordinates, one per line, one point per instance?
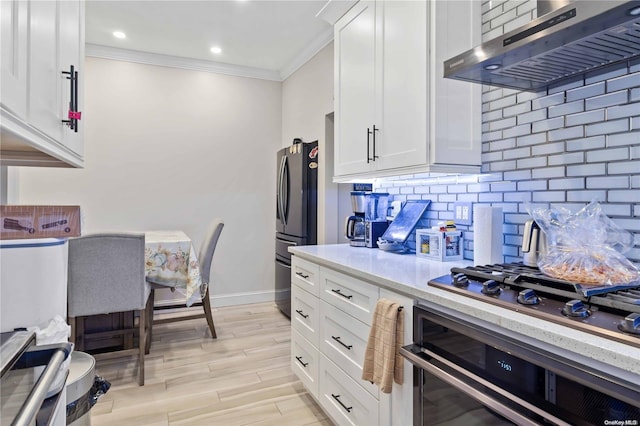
(118, 54)
(106, 52)
(307, 53)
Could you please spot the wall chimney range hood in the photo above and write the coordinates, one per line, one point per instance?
(580, 37)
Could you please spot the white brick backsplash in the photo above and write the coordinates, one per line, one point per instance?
(594, 142)
(566, 108)
(618, 182)
(534, 139)
(624, 82)
(549, 124)
(547, 172)
(575, 183)
(619, 111)
(566, 158)
(616, 209)
(624, 167)
(532, 185)
(566, 133)
(631, 138)
(530, 163)
(585, 117)
(586, 92)
(548, 148)
(620, 125)
(502, 124)
(517, 175)
(562, 146)
(547, 101)
(608, 155)
(586, 196)
(610, 99)
(502, 144)
(586, 170)
(517, 109)
(515, 131)
(532, 116)
(517, 153)
(548, 196)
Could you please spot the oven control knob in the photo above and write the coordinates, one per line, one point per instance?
(631, 324)
(490, 287)
(460, 280)
(575, 308)
(528, 297)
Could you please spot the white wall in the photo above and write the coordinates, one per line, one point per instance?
(307, 99)
(167, 148)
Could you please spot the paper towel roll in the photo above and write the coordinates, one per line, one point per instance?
(487, 235)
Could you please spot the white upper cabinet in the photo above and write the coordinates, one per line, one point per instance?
(394, 112)
(41, 40)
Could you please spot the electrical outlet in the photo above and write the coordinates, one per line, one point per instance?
(462, 212)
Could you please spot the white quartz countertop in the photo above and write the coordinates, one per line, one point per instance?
(408, 274)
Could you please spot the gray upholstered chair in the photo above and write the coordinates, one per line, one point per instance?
(205, 259)
(106, 276)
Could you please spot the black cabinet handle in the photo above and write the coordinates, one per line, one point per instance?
(73, 115)
(300, 274)
(337, 398)
(339, 293)
(299, 311)
(374, 142)
(304, 364)
(337, 339)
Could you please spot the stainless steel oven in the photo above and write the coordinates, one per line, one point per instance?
(465, 373)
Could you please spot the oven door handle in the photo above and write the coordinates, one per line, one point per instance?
(411, 354)
(29, 409)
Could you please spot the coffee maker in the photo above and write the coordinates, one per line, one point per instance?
(354, 227)
(375, 217)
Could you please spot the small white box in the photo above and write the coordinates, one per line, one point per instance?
(439, 245)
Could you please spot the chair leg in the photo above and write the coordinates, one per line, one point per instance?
(142, 344)
(206, 305)
(149, 311)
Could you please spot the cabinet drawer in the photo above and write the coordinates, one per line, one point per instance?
(305, 362)
(342, 398)
(343, 340)
(351, 295)
(305, 314)
(305, 274)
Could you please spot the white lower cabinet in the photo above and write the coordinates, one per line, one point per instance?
(305, 361)
(343, 398)
(331, 320)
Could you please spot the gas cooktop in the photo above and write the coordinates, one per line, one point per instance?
(608, 311)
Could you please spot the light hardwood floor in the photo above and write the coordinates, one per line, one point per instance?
(241, 378)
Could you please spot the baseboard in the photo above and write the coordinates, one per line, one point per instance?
(222, 300)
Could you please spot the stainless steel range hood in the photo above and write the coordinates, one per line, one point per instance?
(577, 38)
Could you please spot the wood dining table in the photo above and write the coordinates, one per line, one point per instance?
(171, 259)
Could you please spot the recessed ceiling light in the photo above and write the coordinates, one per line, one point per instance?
(119, 34)
(216, 50)
(492, 67)
(635, 11)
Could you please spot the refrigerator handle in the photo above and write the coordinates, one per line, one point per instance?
(280, 189)
(285, 189)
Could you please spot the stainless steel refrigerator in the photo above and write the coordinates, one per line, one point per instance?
(296, 210)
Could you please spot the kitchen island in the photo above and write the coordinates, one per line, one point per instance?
(406, 276)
